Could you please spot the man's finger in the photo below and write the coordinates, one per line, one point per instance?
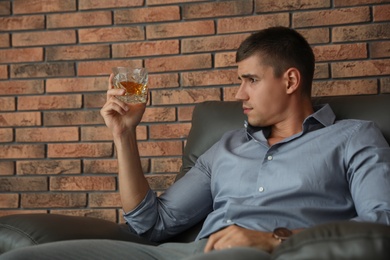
(110, 85)
(213, 239)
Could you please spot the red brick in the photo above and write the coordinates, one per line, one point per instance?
(106, 214)
(362, 32)
(84, 183)
(149, 48)
(157, 81)
(252, 23)
(225, 59)
(48, 167)
(208, 78)
(54, 200)
(276, 6)
(361, 68)
(49, 102)
(180, 29)
(338, 3)
(68, 85)
(161, 148)
(52, 134)
(7, 167)
(6, 135)
(9, 200)
(321, 71)
(4, 40)
(42, 70)
(380, 49)
(7, 104)
(78, 150)
(5, 8)
(340, 52)
(91, 68)
(185, 113)
(113, 34)
(218, 9)
(165, 2)
(344, 87)
(20, 119)
(185, 96)
(23, 184)
(102, 133)
(102, 166)
(331, 17)
(21, 211)
(159, 114)
(72, 118)
(229, 93)
(104, 200)
(385, 86)
(44, 38)
(172, 63)
(381, 13)
(92, 4)
(160, 181)
(95, 133)
(36, 6)
(78, 52)
(95, 100)
(21, 87)
(69, 20)
(15, 23)
(212, 43)
(166, 164)
(16, 151)
(3, 72)
(169, 131)
(147, 15)
(316, 35)
(21, 55)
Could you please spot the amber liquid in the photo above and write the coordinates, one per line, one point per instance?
(132, 88)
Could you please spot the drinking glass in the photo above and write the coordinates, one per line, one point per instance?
(134, 81)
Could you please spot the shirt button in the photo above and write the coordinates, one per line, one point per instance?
(261, 189)
(229, 221)
(269, 158)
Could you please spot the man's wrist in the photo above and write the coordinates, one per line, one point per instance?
(282, 234)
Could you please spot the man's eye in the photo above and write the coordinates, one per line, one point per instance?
(252, 80)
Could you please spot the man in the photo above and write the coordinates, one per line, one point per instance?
(292, 167)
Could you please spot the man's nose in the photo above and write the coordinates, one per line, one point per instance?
(241, 94)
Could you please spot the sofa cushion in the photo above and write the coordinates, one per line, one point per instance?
(33, 229)
(341, 240)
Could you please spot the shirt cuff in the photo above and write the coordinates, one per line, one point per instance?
(143, 217)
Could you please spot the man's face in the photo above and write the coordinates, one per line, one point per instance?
(263, 95)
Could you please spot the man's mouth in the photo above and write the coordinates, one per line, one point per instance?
(246, 110)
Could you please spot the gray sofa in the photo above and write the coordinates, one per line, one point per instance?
(339, 240)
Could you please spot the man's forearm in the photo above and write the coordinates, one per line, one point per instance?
(133, 185)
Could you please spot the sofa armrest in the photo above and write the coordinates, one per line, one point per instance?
(33, 229)
(341, 240)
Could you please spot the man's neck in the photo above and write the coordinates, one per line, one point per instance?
(291, 125)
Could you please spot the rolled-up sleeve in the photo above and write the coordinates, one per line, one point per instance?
(368, 164)
(181, 206)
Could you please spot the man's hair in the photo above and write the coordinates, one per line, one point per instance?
(281, 48)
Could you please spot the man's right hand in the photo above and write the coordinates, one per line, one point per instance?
(120, 117)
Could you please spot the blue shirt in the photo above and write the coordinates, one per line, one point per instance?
(332, 170)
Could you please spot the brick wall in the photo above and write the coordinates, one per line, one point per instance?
(55, 57)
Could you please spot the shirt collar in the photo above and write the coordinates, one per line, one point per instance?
(323, 116)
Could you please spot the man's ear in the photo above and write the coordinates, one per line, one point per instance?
(293, 80)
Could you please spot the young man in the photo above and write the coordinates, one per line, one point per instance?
(292, 167)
